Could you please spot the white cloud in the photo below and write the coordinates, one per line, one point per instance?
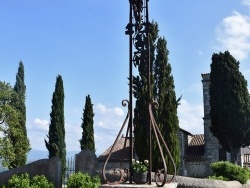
(107, 124)
(233, 34)
(40, 124)
(246, 2)
(190, 117)
(101, 109)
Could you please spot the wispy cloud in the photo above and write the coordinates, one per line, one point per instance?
(40, 124)
(246, 2)
(190, 117)
(107, 123)
(233, 34)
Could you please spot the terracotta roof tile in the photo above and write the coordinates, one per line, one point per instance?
(195, 148)
(119, 152)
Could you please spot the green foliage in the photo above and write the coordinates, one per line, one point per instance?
(12, 143)
(56, 143)
(138, 166)
(228, 171)
(162, 90)
(41, 181)
(19, 181)
(228, 90)
(88, 141)
(21, 143)
(24, 181)
(81, 180)
(218, 178)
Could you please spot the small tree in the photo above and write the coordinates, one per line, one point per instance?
(56, 143)
(229, 100)
(88, 141)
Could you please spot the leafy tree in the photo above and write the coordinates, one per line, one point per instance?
(88, 141)
(56, 143)
(229, 100)
(162, 85)
(8, 118)
(14, 143)
(22, 145)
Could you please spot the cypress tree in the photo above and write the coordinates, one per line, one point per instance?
(56, 143)
(20, 141)
(88, 141)
(140, 92)
(162, 85)
(166, 113)
(229, 100)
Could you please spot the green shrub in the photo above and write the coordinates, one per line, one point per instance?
(41, 182)
(19, 181)
(81, 180)
(24, 181)
(218, 178)
(230, 171)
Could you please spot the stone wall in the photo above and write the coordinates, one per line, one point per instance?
(211, 143)
(183, 137)
(50, 168)
(195, 169)
(86, 162)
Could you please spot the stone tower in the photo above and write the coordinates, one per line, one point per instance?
(212, 147)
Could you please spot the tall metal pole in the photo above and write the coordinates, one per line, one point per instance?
(131, 141)
(149, 95)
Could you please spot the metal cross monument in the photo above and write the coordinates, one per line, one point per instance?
(138, 30)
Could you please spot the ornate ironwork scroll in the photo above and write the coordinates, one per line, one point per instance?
(118, 171)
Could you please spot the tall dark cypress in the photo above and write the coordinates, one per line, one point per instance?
(229, 100)
(163, 92)
(166, 114)
(56, 143)
(88, 141)
(140, 91)
(21, 142)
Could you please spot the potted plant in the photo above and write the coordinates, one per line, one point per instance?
(139, 170)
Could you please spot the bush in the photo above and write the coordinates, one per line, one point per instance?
(41, 181)
(24, 181)
(230, 171)
(19, 181)
(81, 180)
(218, 178)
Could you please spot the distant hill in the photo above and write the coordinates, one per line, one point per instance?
(35, 155)
(1, 167)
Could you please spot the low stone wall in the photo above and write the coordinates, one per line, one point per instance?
(186, 182)
(50, 168)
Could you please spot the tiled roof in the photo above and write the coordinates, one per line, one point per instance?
(119, 152)
(182, 130)
(195, 148)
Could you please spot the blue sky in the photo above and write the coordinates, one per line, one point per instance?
(84, 42)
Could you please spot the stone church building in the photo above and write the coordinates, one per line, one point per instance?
(197, 152)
